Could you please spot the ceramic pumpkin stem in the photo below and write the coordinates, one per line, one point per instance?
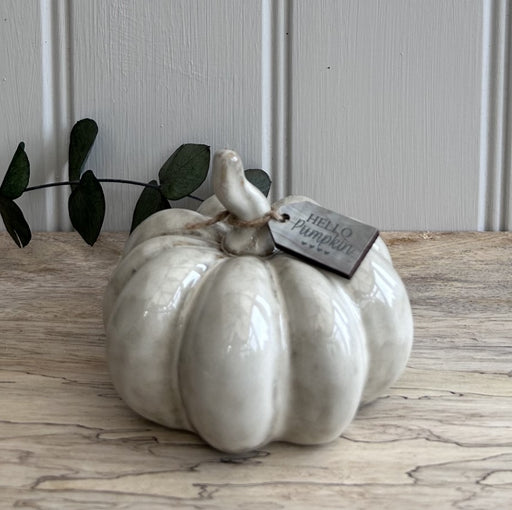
(243, 200)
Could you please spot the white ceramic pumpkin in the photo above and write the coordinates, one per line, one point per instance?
(211, 331)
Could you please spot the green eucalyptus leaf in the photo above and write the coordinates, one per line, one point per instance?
(81, 141)
(184, 171)
(15, 222)
(260, 179)
(150, 201)
(86, 207)
(17, 176)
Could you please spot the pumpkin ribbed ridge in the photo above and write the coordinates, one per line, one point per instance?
(379, 294)
(143, 348)
(327, 350)
(230, 361)
(141, 254)
(282, 400)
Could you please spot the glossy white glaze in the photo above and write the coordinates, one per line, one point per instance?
(247, 349)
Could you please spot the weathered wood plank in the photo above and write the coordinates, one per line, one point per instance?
(441, 437)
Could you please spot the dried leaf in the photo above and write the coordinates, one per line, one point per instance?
(17, 176)
(184, 171)
(150, 201)
(15, 222)
(87, 207)
(81, 141)
(260, 179)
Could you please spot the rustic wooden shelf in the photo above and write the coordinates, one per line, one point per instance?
(440, 438)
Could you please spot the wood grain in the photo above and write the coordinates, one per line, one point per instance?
(440, 438)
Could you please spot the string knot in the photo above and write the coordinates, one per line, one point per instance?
(231, 219)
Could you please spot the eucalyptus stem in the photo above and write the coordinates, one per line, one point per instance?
(50, 185)
(120, 181)
(183, 172)
(69, 183)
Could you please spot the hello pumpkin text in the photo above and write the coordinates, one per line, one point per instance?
(319, 233)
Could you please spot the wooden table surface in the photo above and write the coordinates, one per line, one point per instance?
(441, 437)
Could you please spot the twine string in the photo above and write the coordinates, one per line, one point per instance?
(231, 219)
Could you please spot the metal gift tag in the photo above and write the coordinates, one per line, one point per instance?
(323, 237)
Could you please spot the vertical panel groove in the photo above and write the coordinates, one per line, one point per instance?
(288, 89)
(266, 85)
(507, 155)
(277, 92)
(495, 117)
(56, 93)
(484, 191)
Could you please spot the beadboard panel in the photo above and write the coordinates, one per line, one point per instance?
(157, 74)
(496, 123)
(506, 111)
(27, 92)
(385, 112)
(396, 112)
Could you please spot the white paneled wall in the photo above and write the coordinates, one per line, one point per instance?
(23, 74)
(393, 111)
(155, 74)
(386, 109)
